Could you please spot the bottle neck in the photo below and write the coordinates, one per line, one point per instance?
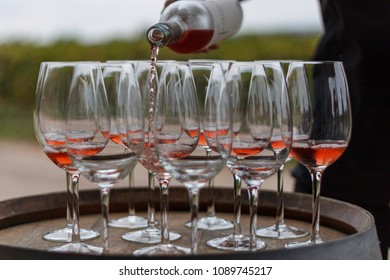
(164, 34)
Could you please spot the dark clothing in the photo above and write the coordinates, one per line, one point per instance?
(358, 33)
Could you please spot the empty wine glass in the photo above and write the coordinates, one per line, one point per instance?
(178, 127)
(111, 73)
(257, 117)
(147, 75)
(322, 124)
(52, 93)
(201, 70)
(279, 230)
(88, 132)
(131, 220)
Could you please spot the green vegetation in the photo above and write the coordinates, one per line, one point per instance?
(19, 66)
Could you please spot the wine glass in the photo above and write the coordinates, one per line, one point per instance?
(279, 230)
(131, 220)
(201, 70)
(111, 74)
(52, 92)
(322, 124)
(147, 74)
(178, 126)
(89, 126)
(257, 117)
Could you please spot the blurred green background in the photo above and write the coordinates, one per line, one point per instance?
(19, 65)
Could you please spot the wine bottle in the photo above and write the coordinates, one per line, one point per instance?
(192, 26)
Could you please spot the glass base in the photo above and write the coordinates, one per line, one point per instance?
(148, 236)
(309, 242)
(78, 248)
(235, 243)
(212, 223)
(162, 249)
(281, 232)
(130, 222)
(65, 235)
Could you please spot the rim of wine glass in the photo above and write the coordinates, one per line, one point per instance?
(314, 62)
(71, 62)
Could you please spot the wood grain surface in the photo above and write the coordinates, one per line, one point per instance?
(23, 221)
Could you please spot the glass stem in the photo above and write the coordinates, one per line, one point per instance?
(194, 204)
(237, 205)
(280, 197)
(164, 179)
(131, 194)
(105, 202)
(75, 208)
(69, 199)
(253, 193)
(151, 206)
(316, 177)
(211, 197)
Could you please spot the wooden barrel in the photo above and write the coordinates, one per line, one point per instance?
(348, 231)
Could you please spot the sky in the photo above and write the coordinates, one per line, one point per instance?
(94, 21)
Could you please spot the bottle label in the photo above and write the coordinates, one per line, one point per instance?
(227, 16)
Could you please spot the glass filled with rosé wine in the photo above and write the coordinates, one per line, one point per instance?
(322, 122)
(52, 92)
